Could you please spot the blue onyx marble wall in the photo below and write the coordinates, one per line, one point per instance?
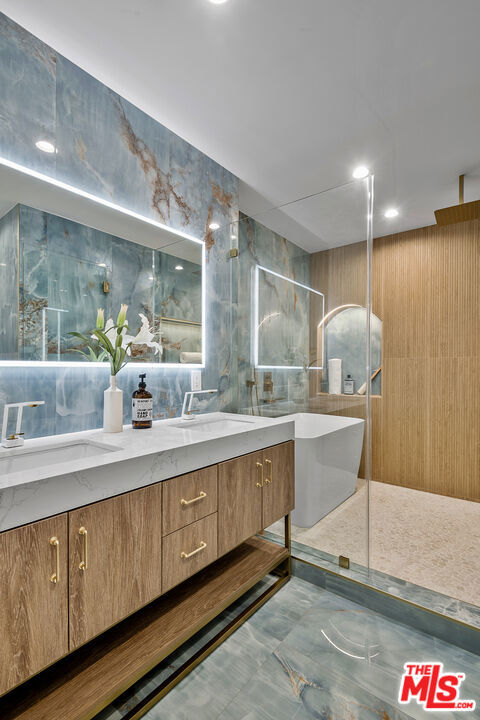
(258, 245)
(9, 285)
(110, 148)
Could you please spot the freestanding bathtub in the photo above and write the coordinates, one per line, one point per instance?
(328, 449)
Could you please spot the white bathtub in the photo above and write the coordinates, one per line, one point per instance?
(328, 449)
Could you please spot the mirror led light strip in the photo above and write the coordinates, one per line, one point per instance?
(131, 213)
(256, 323)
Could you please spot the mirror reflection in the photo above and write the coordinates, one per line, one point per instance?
(63, 257)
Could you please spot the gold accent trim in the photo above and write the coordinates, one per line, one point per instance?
(195, 499)
(260, 467)
(201, 547)
(388, 595)
(55, 577)
(84, 563)
(269, 477)
(233, 253)
(177, 321)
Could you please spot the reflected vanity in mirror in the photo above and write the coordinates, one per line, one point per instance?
(64, 254)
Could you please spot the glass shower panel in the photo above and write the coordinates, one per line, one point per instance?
(303, 324)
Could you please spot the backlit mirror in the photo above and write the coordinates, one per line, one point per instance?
(64, 254)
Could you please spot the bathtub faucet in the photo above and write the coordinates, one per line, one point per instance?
(307, 367)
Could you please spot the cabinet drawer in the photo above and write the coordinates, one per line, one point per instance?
(188, 550)
(188, 498)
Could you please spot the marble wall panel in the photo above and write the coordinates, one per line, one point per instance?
(110, 148)
(9, 285)
(28, 82)
(258, 245)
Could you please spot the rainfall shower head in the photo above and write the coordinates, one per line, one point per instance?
(461, 212)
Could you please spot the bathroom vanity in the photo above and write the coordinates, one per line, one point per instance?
(152, 529)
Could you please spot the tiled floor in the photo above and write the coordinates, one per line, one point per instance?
(426, 539)
(416, 594)
(309, 654)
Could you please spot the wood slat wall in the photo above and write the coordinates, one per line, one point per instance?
(426, 289)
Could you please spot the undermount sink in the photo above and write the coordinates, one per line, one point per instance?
(19, 459)
(205, 425)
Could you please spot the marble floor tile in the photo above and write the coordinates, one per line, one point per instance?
(311, 654)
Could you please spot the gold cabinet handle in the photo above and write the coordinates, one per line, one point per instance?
(84, 563)
(269, 478)
(260, 467)
(55, 577)
(185, 555)
(195, 499)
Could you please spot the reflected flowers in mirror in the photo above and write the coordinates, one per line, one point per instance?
(111, 342)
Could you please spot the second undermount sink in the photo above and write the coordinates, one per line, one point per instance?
(20, 459)
(205, 424)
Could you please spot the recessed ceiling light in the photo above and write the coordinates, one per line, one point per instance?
(218, 2)
(214, 226)
(151, 277)
(360, 172)
(391, 213)
(233, 237)
(45, 146)
(3, 264)
(178, 267)
(101, 265)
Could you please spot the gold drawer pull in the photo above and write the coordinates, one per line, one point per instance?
(260, 467)
(185, 555)
(84, 564)
(193, 500)
(269, 465)
(55, 577)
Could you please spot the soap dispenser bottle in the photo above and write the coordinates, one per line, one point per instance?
(142, 406)
(348, 385)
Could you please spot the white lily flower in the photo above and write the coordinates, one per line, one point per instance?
(143, 337)
(110, 331)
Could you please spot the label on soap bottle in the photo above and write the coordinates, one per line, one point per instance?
(142, 409)
(348, 386)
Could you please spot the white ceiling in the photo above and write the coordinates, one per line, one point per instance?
(290, 95)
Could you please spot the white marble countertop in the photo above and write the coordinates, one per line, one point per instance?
(138, 458)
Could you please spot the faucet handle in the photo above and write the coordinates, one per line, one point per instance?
(13, 441)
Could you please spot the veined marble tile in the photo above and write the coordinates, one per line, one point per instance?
(27, 79)
(258, 245)
(112, 149)
(338, 660)
(9, 285)
(109, 147)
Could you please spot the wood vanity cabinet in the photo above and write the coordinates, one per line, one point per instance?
(254, 491)
(115, 566)
(33, 599)
(67, 579)
(239, 500)
(278, 482)
(188, 498)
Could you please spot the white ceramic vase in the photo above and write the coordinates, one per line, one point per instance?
(113, 407)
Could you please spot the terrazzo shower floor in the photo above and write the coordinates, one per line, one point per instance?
(307, 654)
(429, 540)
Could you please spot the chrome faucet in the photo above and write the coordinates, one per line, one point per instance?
(16, 440)
(187, 411)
